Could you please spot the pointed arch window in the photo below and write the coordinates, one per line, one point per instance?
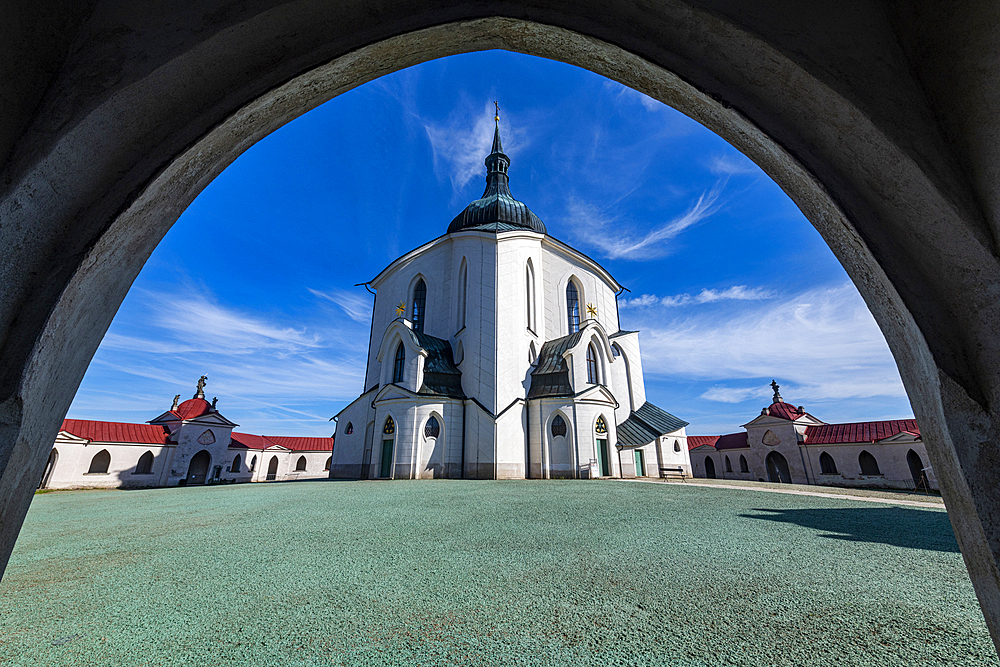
(573, 307)
(100, 463)
(419, 305)
(532, 355)
(743, 464)
(615, 350)
(145, 464)
(592, 377)
(389, 428)
(432, 428)
(729, 464)
(869, 466)
(253, 464)
(300, 465)
(237, 464)
(558, 427)
(463, 286)
(350, 429)
(827, 466)
(602, 426)
(399, 365)
(530, 295)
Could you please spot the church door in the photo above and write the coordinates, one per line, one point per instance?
(272, 470)
(640, 463)
(709, 467)
(777, 468)
(198, 469)
(603, 458)
(386, 470)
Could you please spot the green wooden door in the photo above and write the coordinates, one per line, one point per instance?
(603, 460)
(640, 465)
(386, 459)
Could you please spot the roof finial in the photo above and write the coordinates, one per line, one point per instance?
(497, 105)
(201, 387)
(777, 397)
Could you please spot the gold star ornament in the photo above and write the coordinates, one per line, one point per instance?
(592, 310)
(401, 308)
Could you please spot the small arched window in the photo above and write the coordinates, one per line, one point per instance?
(145, 464)
(592, 377)
(389, 427)
(869, 466)
(432, 428)
(419, 305)
(350, 429)
(100, 463)
(558, 427)
(237, 464)
(253, 464)
(399, 365)
(573, 307)
(677, 445)
(529, 293)
(729, 464)
(602, 427)
(743, 464)
(326, 466)
(300, 465)
(615, 350)
(532, 355)
(463, 287)
(827, 465)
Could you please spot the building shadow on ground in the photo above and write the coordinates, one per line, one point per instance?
(896, 526)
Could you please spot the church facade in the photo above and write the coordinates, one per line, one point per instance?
(786, 444)
(189, 444)
(495, 352)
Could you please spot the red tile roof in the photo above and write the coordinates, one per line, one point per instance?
(146, 434)
(860, 431)
(728, 441)
(785, 411)
(194, 407)
(294, 443)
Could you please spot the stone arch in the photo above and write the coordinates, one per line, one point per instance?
(778, 90)
(709, 467)
(198, 468)
(916, 466)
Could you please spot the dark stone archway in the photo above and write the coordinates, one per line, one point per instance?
(879, 119)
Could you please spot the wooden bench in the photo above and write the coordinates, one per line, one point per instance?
(673, 473)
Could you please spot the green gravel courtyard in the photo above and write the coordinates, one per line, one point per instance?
(485, 573)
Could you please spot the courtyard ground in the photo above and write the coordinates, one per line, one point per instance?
(485, 573)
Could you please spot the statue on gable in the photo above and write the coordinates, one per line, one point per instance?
(201, 387)
(777, 397)
(177, 401)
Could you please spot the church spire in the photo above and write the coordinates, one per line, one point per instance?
(497, 163)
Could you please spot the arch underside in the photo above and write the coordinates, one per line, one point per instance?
(893, 163)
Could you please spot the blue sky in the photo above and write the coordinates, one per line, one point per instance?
(729, 284)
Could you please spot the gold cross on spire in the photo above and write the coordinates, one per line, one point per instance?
(497, 105)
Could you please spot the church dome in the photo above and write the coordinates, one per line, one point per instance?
(496, 210)
(193, 407)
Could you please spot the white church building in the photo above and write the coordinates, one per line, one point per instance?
(189, 444)
(495, 352)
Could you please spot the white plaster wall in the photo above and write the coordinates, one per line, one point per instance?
(70, 471)
(559, 265)
(348, 450)
(891, 459)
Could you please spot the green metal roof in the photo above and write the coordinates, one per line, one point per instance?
(551, 374)
(647, 424)
(441, 376)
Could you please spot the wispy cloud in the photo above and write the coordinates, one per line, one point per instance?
(594, 229)
(734, 293)
(722, 394)
(730, 165)
(357, 305)
(819, 345)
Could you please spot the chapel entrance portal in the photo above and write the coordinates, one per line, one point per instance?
(709, 467)
(386, 468)
(777, 468)
(916, 468)
(603, 457)
(198, 469)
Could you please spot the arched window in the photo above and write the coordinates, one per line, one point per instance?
(389, 427)
(615, 350)
(145, 464)
(350, 429)
(592, 377)
(326, 466)
(677, 445)
(709, 467)
(869, 466)
(237, 464)
(100, 463)
(827, 465)
(529, 291)
(399, 365)
(300, 465)
(602, 426)
(558, 427)
(463, 287)
(532, 355)
(743, 464)
(272, 469)
(729, 464)
(253, 463)
(419, 305)
(432, 428)
(573, 307)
